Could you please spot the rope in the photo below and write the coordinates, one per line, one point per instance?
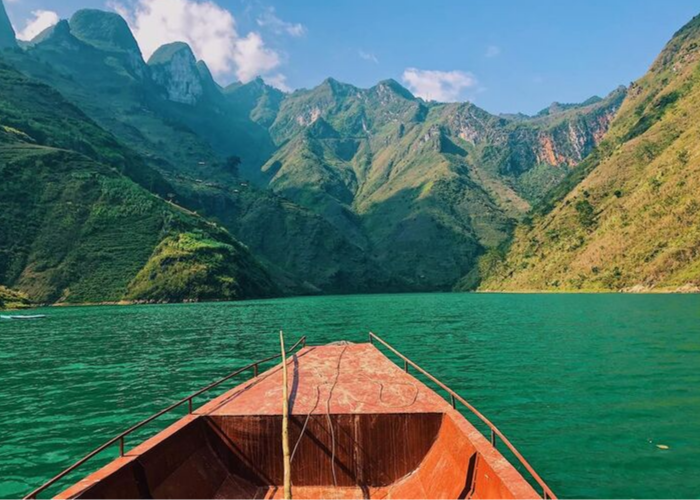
(328, 403)
(328, 415)
(381, 393)
(306, 422)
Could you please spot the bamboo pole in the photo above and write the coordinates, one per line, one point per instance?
(285, 426)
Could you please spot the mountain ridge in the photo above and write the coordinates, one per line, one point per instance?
(627, 221)
(82, 221)
(396, 193)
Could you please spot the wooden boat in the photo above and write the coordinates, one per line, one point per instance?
(359, 427)
(23, 316)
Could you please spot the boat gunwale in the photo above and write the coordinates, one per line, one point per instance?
(454, 398)
(188, 399)
(547, 493)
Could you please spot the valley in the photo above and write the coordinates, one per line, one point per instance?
(333, 189)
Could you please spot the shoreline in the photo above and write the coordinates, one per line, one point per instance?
(632, 291)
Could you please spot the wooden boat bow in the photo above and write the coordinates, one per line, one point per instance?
(359, 427)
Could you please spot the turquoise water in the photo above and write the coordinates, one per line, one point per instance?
(586, 386)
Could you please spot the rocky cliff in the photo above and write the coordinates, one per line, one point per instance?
(628, 217)
(174, 67)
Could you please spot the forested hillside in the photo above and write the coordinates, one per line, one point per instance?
(79, 224)
(334, 189)
(629, 217)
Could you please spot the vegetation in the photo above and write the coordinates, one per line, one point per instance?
(335, 189)
(7, 34)
(193, 266)
(425, 187)
(629, 219)
(11, 299)
(75, 229)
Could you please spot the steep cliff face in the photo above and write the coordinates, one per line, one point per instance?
(572, 134)
(174, 67)
(631, 216)
(7, 34)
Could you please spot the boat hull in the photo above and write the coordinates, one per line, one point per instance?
(359, 427)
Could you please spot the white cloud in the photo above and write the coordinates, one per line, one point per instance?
(279, 81)
(492, 51)
(252, 58)
(41, 20)
(206, 27)
(270, 20)
(368, 56)
(442, 86)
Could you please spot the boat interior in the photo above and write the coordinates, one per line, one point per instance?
(393, 455)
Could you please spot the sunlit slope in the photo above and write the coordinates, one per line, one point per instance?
(425, 187)
(631, 220)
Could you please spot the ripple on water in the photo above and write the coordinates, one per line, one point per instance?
(585, 386)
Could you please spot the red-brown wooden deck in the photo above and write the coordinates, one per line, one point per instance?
(364, 428)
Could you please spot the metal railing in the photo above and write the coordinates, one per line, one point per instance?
(454, 399)
(121, 437)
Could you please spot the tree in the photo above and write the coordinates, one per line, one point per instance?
(586, 213)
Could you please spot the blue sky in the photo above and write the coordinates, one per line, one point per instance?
(506, 56)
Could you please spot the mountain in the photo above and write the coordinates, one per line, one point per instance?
(256, 99)
(7, 33)
(335, 189)
(171, 112)
(423, 187)
(95, 63)
(628, 218)
(81, 221)
(174, 67)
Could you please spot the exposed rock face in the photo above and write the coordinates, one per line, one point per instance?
(7, 34)
(105, 30)
(174, 67)
(629, 218)
(571, 142)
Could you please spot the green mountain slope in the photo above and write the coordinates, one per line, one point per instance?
(11, 299)
(185, 127)
(74, 228)
(425, 188)
(255, 99)
(629, 217)
(367, 189)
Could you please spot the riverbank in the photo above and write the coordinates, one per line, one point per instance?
(636, 290)
(633, 290)
(13, 300)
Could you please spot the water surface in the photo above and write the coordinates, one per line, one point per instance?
(586, 386)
